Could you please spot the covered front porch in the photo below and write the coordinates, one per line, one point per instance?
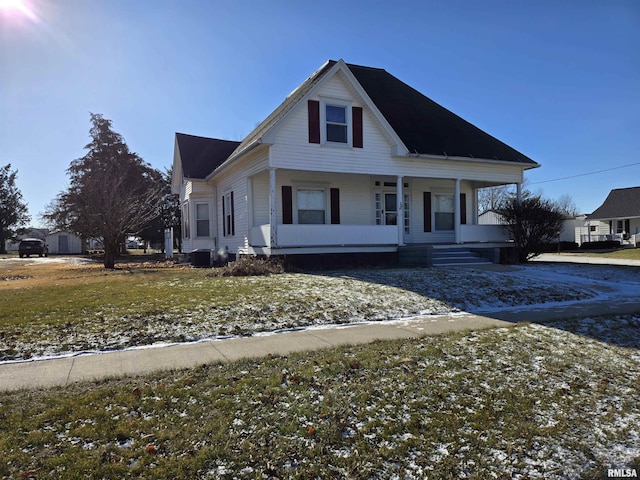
(337, 212)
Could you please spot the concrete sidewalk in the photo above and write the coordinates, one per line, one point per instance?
(587, 259)
(64, 371)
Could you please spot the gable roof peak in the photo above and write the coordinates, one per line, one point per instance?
(201, 155)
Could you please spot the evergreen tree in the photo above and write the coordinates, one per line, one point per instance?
(112, 192)
(13, 210)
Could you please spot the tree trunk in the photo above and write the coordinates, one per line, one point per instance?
(3, 248)
(110, 254)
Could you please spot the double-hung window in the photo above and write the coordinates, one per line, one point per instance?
(444, 208)
(336, 123)
(311, 206)
(202, 219)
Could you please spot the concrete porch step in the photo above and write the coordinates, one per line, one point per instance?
(457, 257)
(439, 256)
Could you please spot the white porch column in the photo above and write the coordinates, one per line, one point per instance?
(273, 213)
(519, 193)
(250, 208)
(456, 210)
(400, 213)
(474, 207)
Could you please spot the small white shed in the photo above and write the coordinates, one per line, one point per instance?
(64, 243)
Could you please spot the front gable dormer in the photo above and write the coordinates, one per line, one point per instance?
(335, 122)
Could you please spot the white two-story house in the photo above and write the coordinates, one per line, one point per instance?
(353, 161)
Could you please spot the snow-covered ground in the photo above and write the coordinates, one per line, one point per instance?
(327, 298)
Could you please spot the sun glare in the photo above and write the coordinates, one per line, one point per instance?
(9, 6)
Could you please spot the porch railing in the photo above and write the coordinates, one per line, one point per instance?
(600, 237)
(325, 235)
(482, 233)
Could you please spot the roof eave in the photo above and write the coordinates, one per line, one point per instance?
(525, 165)
(252, 146)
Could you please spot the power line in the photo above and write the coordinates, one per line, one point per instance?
(585, 174)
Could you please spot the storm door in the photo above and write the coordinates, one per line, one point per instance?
(386, 208)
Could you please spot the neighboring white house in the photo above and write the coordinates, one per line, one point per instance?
(353, 160)
(590, 230)
(64, 243)
(574, 229)
(621, 211)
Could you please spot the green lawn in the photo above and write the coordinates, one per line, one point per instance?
(628, 253)
(527, 401)
(59, 308)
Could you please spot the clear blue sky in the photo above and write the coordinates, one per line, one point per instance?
(557, 80)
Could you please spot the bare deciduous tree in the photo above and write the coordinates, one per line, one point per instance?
(490, 199)
(566, 205)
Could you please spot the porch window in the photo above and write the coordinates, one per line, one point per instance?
(444, 208)
(228, 214)
(407, 215)
(185, 216)
(202, 219)
(336, 123)
(311, 206)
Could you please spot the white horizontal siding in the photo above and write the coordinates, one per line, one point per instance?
(260, 197)
(356, 200)
(235, 178)
(435, 187)
(292, 149)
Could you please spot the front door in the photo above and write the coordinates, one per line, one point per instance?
(63, 244)
(386, 208)
(390, 209)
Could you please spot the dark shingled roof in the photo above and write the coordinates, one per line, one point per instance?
(423, 126)
(620, 203)
(201, 155)
(426, 127)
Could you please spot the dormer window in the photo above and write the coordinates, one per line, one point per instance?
(336, 123)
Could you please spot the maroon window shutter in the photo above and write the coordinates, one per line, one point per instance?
(335, 206)
(287, 205)
(314, 121)
(356, 114)
(427, 211)
(463, 208)
(233, 219)
(224, 220)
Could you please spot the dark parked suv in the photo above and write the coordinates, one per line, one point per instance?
(31, 246)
